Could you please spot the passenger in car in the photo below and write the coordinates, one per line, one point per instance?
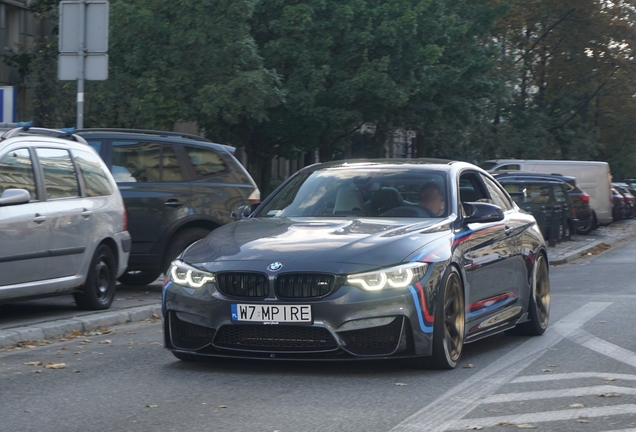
(432, 199)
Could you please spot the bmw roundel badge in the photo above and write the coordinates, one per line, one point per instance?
(275, 266)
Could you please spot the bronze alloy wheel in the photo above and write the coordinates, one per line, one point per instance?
(448, 331)
(453, 318)
(541, 290)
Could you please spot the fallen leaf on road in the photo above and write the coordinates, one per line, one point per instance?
(222, 406)
(152, 406)
(130, 332)
(106, 341)
(468, 366)
(492, 410)
(55, 366)
(609, 379)
(526, 426)
(400, 384)
(583, 421)
(77, 371)
(34, 363)
(37, 371)
(475, 427)
(609, 395)
(547, 370)
(577, 405)
(505, 423)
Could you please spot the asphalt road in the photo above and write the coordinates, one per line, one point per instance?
(579, 376)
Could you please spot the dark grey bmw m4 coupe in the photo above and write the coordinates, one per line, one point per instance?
(366, 259)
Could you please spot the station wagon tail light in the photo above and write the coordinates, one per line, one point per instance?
(125, 220)
(393, 277)
(255, 196)
(183, 274)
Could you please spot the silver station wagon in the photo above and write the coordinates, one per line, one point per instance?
(63, 225)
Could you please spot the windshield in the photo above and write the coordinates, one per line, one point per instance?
(361, 192)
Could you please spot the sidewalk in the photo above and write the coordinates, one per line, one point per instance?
(599, 240)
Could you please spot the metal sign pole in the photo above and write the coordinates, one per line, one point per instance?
(81, 62)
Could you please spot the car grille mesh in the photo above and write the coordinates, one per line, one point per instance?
(243, 284)
(374, 340)
(295, 285)
(275, 338)
(189, 336)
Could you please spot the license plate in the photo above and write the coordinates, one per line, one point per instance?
(271, 313)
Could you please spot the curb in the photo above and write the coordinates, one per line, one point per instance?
(58, 328)
(574, 254)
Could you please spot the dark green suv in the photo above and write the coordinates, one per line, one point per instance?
(176, 188)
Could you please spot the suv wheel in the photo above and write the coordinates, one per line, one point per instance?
(139, 277)
(99, 290)
(181, 241)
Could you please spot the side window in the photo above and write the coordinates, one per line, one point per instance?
(95, 179)
(497, 196)
(60, 178)
(559, 194)
(96, 144)
(145, 161)
(206, 162)
(16, 172)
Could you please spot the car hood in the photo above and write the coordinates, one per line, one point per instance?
(313, 242)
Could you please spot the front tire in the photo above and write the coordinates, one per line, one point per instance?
(450, 319)
(99, 290)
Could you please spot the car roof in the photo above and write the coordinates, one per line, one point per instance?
(167, 135)
(37, 134)
(553, 176)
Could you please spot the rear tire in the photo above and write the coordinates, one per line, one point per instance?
(539, 302)
(98, 291)
(448, 330)
(585, 230)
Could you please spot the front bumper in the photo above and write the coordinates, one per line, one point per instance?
(347, 324)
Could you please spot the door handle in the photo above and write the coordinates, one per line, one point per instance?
(508, 230)
(173, 203)
(38, 219)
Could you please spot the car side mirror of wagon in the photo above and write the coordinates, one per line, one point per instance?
(478, 212)
(14, 196)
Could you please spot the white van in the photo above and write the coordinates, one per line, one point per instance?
(593, 177)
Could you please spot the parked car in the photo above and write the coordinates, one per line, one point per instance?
(63, 222)
(177, 189)
(580, 200)
(342, 262)
(630, 201)
(593, 177)
(619, 206)
(547, 200)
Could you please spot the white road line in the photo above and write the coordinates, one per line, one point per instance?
(602, 346)
(548, 416)
(573, 375)
(621, 430)
(464, 397)
(569, 392)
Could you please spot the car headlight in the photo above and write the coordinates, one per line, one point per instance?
(183, 274)
(393, 277)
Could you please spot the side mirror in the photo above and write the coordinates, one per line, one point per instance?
(482, 212)
(14, 196)
(243, 212)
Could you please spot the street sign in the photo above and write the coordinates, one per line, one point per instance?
(83, 45)
(96, 25)
(95, 67)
